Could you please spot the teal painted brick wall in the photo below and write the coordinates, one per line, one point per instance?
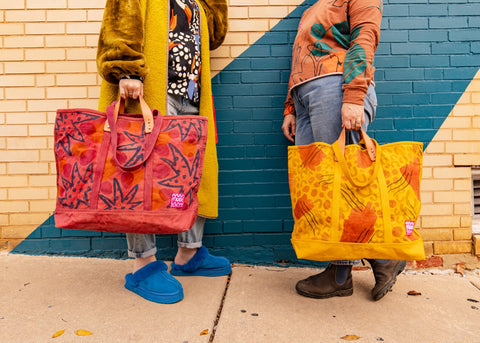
(424, 63)
(427, 56)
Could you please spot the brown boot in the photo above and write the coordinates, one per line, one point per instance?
(385, 276)
(324, 285)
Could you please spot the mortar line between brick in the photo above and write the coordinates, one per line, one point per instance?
(220, 308)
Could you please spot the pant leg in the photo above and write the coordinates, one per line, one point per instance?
(318, 105)
(191, 238)
(141, 245)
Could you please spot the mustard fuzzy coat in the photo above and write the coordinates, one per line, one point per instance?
(134, 41)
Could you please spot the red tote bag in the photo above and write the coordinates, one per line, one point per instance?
(120, 172)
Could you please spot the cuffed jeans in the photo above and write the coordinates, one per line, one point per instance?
(144, 245)
(318, 105)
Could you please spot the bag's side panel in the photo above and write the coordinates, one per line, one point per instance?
(311, 175)
(78, 135)
(402, 164)
(177, 163)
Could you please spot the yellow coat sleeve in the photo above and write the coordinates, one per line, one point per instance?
(120, 43)
(217, 18)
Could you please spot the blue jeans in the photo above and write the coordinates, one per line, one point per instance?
(318, 105)
(144, 245)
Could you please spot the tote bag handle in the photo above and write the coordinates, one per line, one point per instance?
(152, 130)
(146, 112)
(369, 143)
(373, 150)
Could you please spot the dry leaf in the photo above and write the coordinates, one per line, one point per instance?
(58, 333)
(460, 267)
(350, 337)
(204, 332)
(414, 293)
(83, 333)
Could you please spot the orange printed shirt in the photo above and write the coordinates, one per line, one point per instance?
(337, 37)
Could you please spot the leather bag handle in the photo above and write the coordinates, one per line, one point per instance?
(151, 137)
(369, 143)
(146, 113)
(373, 150)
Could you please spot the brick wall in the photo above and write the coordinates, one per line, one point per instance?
(425, 65)
(47, 61)
(446, 217)
(427, 57)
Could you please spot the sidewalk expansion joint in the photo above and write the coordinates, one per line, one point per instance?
(220, 308)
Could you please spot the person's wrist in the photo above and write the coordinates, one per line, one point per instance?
(132, 77)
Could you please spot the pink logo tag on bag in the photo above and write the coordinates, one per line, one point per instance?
(409, 225)
(177, 200)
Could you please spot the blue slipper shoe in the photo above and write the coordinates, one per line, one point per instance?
(202, 264)
(153, 283)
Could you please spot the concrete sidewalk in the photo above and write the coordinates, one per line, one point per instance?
(41, 295)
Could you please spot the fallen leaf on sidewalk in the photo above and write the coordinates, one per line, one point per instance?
(414, 293)
(460, 268)
(58, 333)
(350, 337)
(83, 333)
(204, 332)
(472, 300)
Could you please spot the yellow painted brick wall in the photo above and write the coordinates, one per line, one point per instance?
(47, 61)
(446, 217)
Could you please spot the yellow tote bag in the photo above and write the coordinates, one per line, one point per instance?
(356, 201)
